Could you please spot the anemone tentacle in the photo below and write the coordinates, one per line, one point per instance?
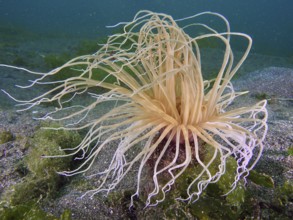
(163, 112)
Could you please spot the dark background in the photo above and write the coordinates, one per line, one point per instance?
(269, 22)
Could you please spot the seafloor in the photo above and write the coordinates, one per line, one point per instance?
(268, 193)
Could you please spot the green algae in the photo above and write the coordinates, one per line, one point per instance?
(6, 136)
(25, 212)
(290, 151)
(40, 180)
(285, 193)
(19, 61)
(66, 215)
(262, 96)
(278, 205)
(261, 179)
(212, 204)
(50, 142)
(30, 211)
(55, 60)
(89, 46)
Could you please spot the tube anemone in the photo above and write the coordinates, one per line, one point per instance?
(164, 113)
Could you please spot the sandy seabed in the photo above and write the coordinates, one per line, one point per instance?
(260, 74)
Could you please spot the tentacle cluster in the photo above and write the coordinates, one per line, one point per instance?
(152, 72)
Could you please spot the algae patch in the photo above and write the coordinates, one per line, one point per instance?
(5, 136)
(261, 179)
(40, 181)
(30, 211)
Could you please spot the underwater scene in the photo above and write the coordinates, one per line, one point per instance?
(134, 109)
